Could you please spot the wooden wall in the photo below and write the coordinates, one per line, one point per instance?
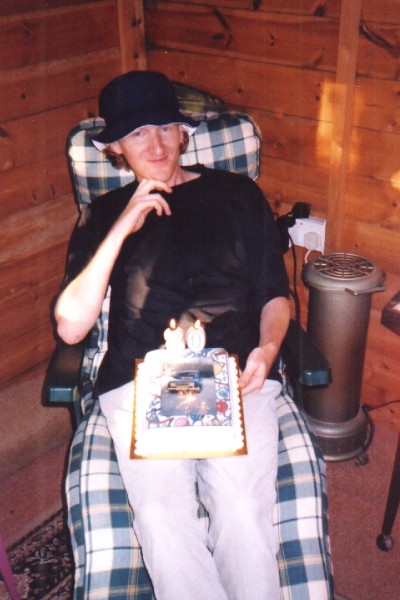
(321, 77)
(53, 63)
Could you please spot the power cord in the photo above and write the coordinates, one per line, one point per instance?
(368, 409)
(370, 437)
(300, 210)
(293, 292)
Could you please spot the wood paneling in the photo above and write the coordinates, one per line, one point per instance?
(286, 182)
(34, 230)
(306, 93)
(48, 133)
(14, 7)
(378, 53)
(296, 139)
(266, 37)
(373, 241)
(54, 60)
(321, 8)
(27, 187)
(377, 105)
(131, 34)
(44, 36)
(39, 88)
(374, 154)
(373, 201)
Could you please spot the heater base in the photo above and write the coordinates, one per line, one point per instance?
(340, 441)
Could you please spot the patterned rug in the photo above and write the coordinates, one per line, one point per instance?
(42, 562)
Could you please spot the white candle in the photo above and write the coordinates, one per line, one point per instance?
(173, 336)
(196, 337)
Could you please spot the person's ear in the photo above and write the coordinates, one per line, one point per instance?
(115, 147)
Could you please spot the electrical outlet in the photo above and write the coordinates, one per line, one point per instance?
(309, 233)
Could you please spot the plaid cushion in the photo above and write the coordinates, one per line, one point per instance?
(107, 555)
(229, 141)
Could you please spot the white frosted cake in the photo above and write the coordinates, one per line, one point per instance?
(187, 405)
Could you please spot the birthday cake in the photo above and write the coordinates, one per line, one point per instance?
(187, 405)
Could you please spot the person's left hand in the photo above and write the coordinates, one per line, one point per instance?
(258, 365)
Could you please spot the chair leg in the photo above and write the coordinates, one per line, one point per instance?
(384, 540)
(6, 573)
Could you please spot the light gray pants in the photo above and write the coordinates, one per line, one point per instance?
(236, 558)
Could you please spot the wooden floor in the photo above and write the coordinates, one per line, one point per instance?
(388, 415)
(32, 494)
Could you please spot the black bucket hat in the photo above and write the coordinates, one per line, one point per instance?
(137, 99)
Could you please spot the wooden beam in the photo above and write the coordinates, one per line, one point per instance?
(342, 122)
(131, 33)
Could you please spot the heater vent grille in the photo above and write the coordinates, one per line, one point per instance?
(343, 266)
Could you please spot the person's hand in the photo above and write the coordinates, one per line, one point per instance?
(143, 201)
(258, 365)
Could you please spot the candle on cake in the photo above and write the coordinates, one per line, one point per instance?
(196, 337)
(173, 336)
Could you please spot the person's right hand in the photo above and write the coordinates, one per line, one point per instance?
(143, 201)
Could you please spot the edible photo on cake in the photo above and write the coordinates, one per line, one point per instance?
(188, 395)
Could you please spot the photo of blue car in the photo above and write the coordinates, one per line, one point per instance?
(185, 381)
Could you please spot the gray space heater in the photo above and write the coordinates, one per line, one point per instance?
(341, 287)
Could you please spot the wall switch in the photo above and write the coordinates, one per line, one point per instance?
(309, 233)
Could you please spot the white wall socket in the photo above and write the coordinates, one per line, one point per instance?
(309, 233)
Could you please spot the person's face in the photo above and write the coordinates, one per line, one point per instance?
(153, 151)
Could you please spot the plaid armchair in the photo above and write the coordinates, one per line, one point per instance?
(107, 555)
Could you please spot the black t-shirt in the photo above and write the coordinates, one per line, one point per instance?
(217, 258)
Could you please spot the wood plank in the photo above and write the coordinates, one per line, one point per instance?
(25, 352)
(17, 283)
(374, 154)
(373, 201)
(342, 122)
(306, 141)
(28, 311)
(286, 182)
(49, 35)
(13, 7)
(300, 41)
(35, 89)
(392, 287)
(27, 337)
(380, 245)
(380, 339)
(37, 138)
(378, 53)
(131, 35)
(38, 228)
(277, 89)
(320, 8)
(382, 370)
(381, 12)
(376, 104)
(34, 184)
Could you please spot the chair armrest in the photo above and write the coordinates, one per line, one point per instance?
(306, 363)
(62, 381)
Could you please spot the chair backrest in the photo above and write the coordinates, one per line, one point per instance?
(227, 140)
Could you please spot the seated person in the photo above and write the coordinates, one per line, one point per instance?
(189, 243)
